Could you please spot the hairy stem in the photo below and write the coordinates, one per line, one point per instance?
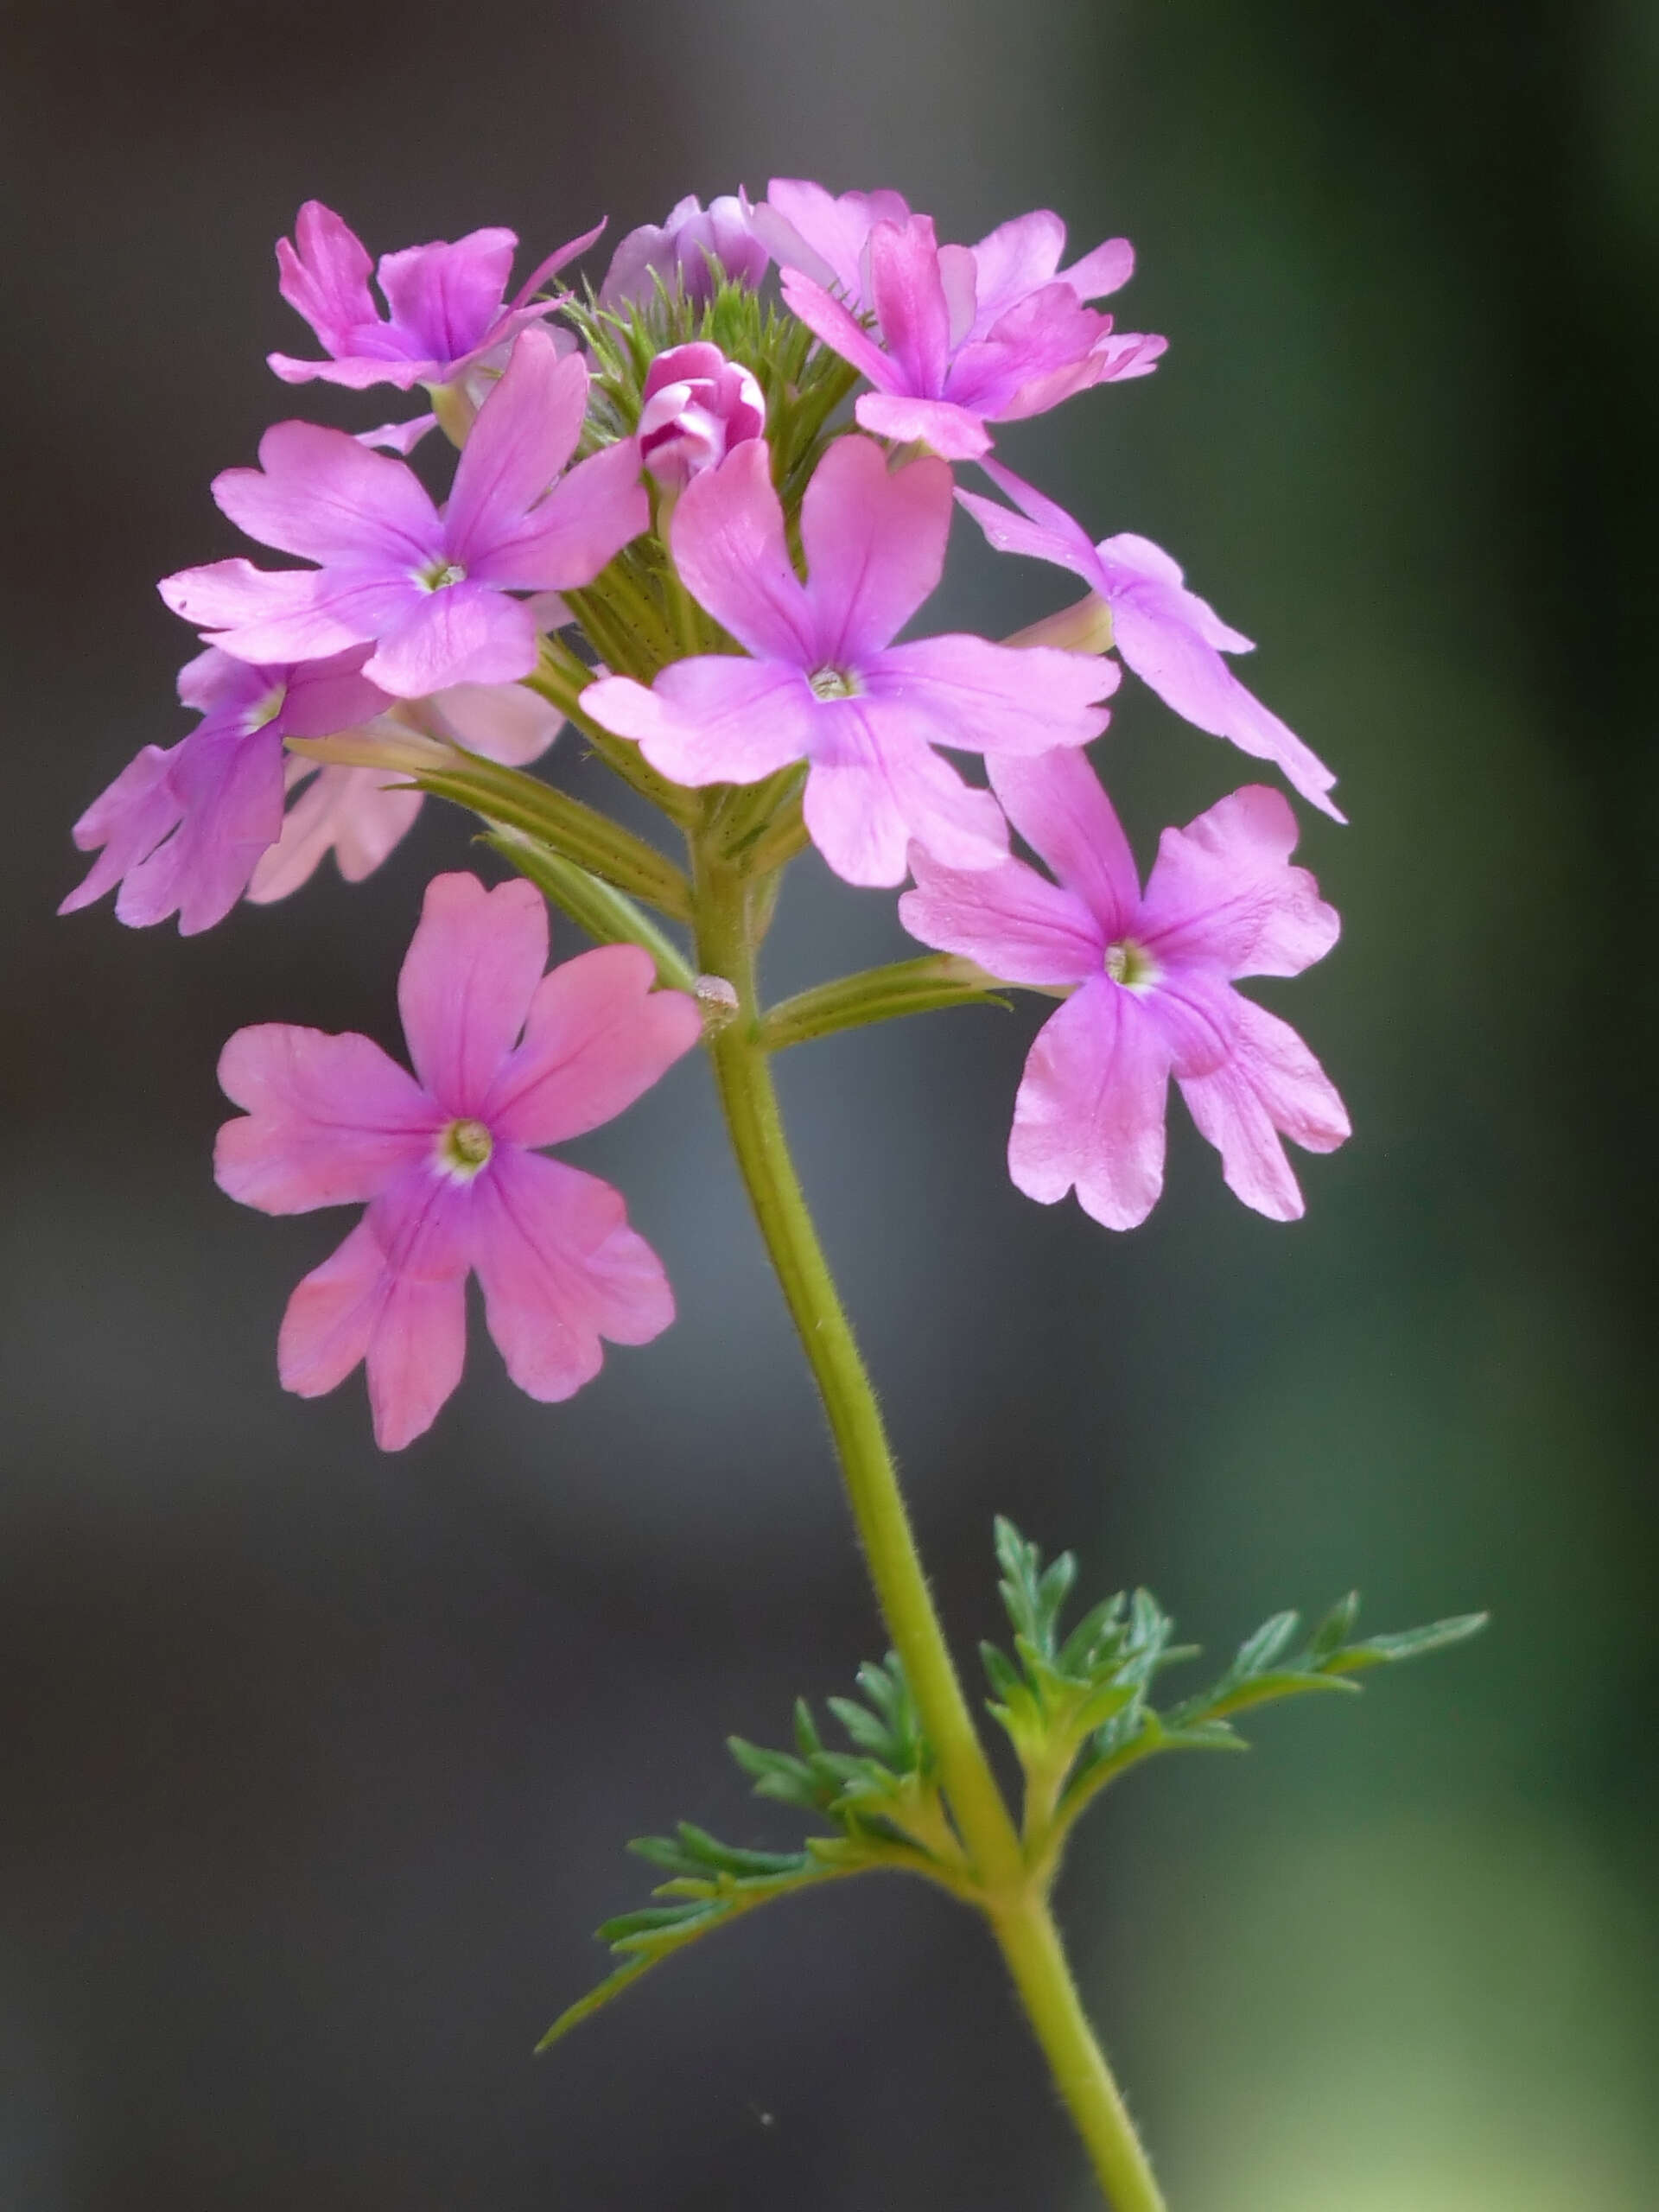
(1014, 1901)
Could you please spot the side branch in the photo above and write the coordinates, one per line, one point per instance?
(941, 979)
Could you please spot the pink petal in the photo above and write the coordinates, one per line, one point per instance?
(1107, 268)
(285, 614)
(330, 1119)
(398, 438)
(1222, 891)
(358, 372)
(524, 433)
(955, 433)
(1017, 257)
(1271, 1084)
(874, 541)
(326, 696)
(599, 1035)
(966, 692)
(351, 812)
(1059, 806)
(319, 494)
(829, 323)
(228, 790)
(1090, 1108)
(730, 549)
(712, 720)
(870, 791)
(1047, 533)
(464, 634)
(392, 1294)
(128, 819)
(326, 278)
(803, 227)
(445, 296)
(583, 523)
(910, 303)
(504, 722)
(561, 1269)
(466, 984)
(568, 252)
(1010, 919)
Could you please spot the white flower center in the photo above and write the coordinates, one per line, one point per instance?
(464, 1148)
(1130, 964)
(834, 684)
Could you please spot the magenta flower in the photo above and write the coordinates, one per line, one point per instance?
(946, 359)
(429, 589)
(686, 250)
(360, 814)
(697, 405)
(447, 1161)
(1153, 994)
(1170, 636)
(446, 303)
(182, 831)
(825, 683)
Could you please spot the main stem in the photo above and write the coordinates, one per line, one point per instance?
(1015, 1902)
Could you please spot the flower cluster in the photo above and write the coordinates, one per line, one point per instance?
(664, 527)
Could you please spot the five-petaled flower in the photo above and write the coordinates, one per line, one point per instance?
(447, 1159)
(429, 589)
(447, 311)
(825, 683)
(968, 335)
(1152, 975)
(182, 829)
(1170, 636)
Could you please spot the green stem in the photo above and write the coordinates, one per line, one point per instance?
(1015, 1902)
(938, 979)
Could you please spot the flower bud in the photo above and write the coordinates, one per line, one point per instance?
(697, 406)
(687, 250)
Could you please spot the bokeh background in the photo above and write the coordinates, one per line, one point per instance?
(318, 1765)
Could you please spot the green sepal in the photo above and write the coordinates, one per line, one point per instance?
(608, 915)
(507, 799)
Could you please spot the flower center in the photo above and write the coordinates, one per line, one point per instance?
(438, 575)
(1130, 964)
(833, 683)
(464, 1147)
(268, 708)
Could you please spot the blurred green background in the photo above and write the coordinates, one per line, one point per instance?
(319, 1766)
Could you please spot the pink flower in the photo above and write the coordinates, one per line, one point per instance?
(446, 303)
(182, 831)
(1152, 997)
(686, 250)
(445, 1161)
(697, 405)
(360, 814)
(1171, 638)
(825, 683)
(958, 343)
(428, 590)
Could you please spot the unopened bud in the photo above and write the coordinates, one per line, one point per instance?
(1084, 628)
(717, 999)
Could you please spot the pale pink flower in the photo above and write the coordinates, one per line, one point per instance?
(966, 335)
(182, 831)
(448, 1160)
(1172, 638)
(805, 227)
(430, 590)
(696, 406)
(1151, 978)
(360, 814)
(689, 249)
(825, 683)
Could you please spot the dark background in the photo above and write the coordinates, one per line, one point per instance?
(318, 1765)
